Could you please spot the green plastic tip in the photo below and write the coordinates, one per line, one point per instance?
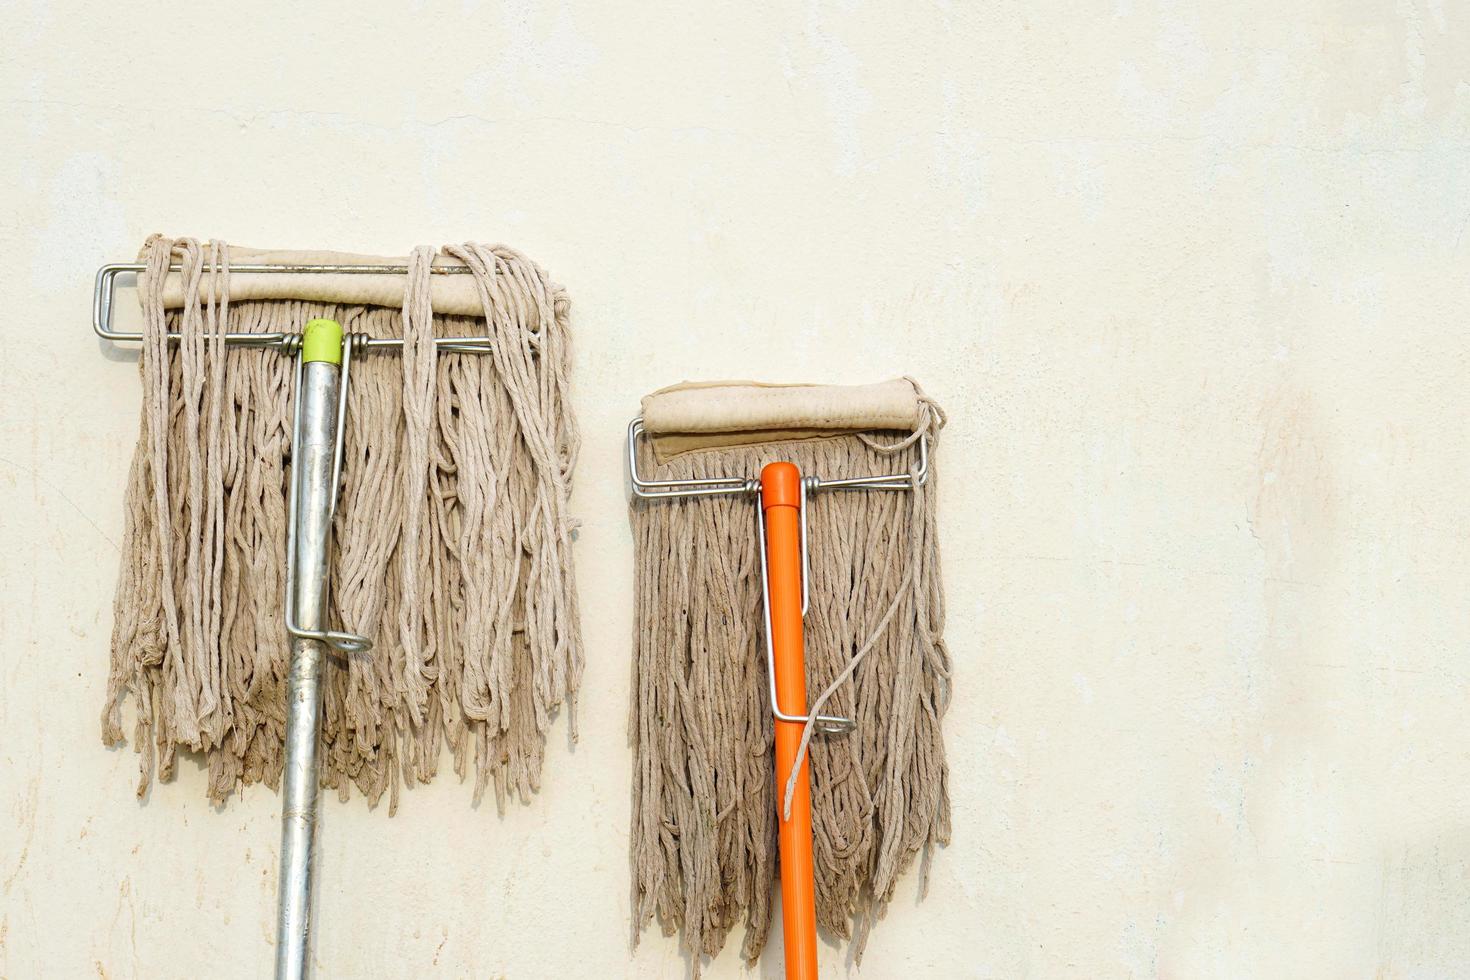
(322, 341)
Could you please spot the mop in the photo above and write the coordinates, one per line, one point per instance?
(418, 499)
(785, 542)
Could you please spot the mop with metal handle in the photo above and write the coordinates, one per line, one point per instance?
(230, 661)
(698, 851)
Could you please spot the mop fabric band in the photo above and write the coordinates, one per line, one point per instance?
(705, 801)
(451, 542)
(702, 415)
(450, 294)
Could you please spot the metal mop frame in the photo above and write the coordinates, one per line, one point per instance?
(323, 365)
(783, 549)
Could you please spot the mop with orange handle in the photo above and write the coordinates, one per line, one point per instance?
(707, 780)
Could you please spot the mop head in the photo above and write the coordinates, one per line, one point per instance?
(704, 834)
(452, 536)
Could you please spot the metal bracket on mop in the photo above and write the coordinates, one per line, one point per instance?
(336, 639)
(645, 489)
(105, 288)
(716, 486)
(826, 724)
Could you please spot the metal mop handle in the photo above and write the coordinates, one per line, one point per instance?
(781, 506)
(315, 466)
(322, 371)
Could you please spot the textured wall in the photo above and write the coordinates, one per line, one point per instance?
(1190, 277)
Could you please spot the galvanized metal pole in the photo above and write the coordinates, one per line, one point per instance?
(312, 465)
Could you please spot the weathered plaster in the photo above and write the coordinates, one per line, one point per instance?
(1191, 279)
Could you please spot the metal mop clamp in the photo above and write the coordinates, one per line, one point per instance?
(323, 366)
(782, 494)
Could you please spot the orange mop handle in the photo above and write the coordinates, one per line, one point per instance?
(780, 506)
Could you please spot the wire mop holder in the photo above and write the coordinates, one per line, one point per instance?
(785, 596)
(323, 365)
(725, 485)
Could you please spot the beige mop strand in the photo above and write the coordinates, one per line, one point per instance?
(440, 482)
(706, 793)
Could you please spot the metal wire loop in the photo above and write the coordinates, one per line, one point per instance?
(826, 724)
(337, 639)
(105, 289)
(647, 489)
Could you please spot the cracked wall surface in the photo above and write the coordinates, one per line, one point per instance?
(1189, 278)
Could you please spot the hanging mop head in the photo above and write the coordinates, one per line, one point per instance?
(452, 532)
(706, 801)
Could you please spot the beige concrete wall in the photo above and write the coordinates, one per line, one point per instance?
(1192, 279)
